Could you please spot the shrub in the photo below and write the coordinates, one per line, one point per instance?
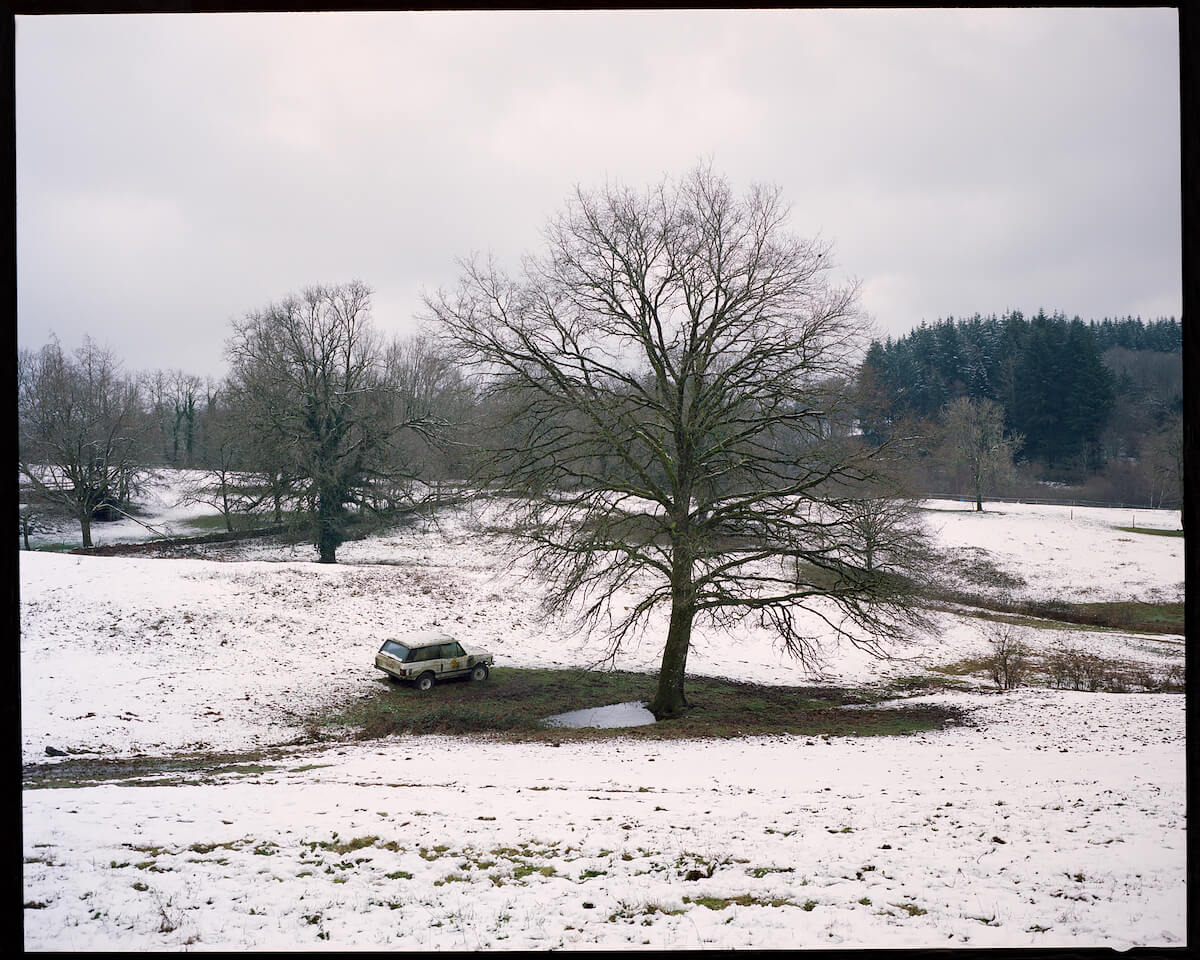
(1070, 668)
(1008, 661)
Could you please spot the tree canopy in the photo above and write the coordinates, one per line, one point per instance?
(676, 369)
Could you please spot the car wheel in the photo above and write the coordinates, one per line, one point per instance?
(425, 681)
(480, 672)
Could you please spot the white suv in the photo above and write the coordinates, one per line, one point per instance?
(426, 658)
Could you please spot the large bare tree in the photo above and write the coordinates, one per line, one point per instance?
(79, 431)
(674, 368)
(309, 373)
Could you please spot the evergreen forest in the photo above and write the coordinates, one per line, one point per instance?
(1096, 403)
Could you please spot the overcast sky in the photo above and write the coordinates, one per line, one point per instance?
(177, 171)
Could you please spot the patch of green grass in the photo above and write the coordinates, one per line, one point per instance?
(1151, 531)
(1132, 615)
(210, 847)
(760, 872)
(713, 903)
(215, 522)
(511, 704)
(1128, 615)
(629, 911)
(525, 869)
(653, 908)
(346, 846)
(923, 683)
(963, 668)
(1035, 623)
(747, 900)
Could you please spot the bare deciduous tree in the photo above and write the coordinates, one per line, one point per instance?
(33, 518)
(79, 430)
(310, 370)
(1164, 461)
(976, 441)
(173, 398)
(225, 482)
(671, 367)
(890, 533)
(427, 387)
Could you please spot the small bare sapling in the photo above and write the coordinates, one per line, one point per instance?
(1008, 658)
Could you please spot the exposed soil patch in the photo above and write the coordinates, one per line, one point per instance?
(153, 771)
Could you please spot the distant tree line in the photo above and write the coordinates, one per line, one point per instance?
(1095, 403)
(323, 421)
(320, 421)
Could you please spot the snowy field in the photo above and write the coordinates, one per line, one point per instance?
(163, 510)
(1053, 819)
(1076, 554)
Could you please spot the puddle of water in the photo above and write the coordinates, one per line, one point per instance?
(632, 714)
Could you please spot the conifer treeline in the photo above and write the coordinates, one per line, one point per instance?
(1048, 372)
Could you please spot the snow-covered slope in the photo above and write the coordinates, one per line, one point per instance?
(1055, 819)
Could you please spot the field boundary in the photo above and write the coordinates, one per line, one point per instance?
(1050, 501)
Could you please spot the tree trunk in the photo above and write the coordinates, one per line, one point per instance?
(225, 507)
(328, 528)
(326, 547)
(669, 700)
(85, 526)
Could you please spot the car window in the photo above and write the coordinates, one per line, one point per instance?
(398, 650)
(429, 653)
(449, 650)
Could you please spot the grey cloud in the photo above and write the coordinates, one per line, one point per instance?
(174, 172)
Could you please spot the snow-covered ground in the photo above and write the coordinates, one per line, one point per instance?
(1069, 553)
(163, 510)
(1056, 818)
(1025, 831)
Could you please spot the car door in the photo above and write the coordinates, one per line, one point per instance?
(429, 658)
(454, 660)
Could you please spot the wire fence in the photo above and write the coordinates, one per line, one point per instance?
(1060, 502)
